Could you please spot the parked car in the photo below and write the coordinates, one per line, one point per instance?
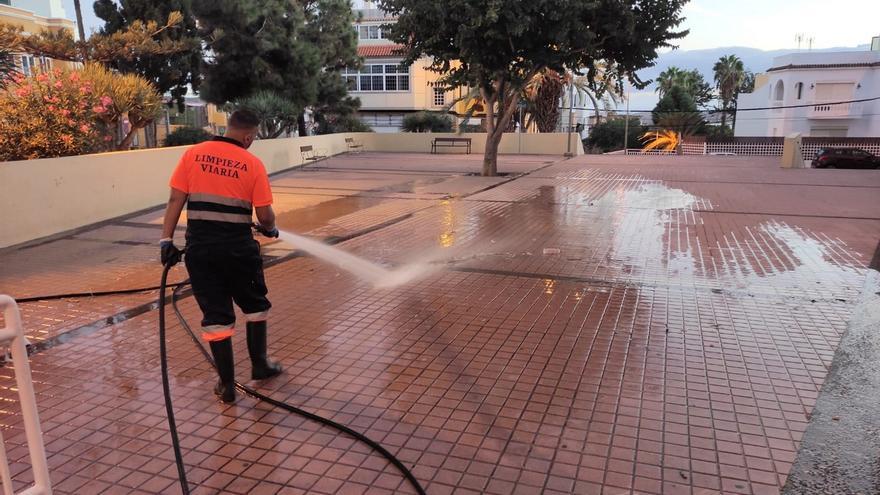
(845, 158)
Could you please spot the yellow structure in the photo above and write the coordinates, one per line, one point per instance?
(387, 90)
(35, 16)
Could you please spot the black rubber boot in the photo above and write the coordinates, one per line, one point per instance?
(261, 367)
(222, 351)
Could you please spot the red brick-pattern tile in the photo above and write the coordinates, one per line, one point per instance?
(669, 348)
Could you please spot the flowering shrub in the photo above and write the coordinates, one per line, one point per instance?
(51, 114)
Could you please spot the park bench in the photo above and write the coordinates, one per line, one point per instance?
(354, 146)
(310, 154)
(453, 142)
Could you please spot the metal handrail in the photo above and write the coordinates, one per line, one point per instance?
(13, 336)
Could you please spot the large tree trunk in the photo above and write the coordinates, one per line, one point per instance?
(126, 141)
(490, 154)
(495, 128)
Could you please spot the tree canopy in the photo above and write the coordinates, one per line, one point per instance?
(677, 111)
(171, 73)
(255, 45)
(328, 29)
(139, 39)
(498, 46)
(692, 81)
(729, 75)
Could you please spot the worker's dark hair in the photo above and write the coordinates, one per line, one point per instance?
(243, 119)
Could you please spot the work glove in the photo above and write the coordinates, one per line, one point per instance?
(273, 232)
(170, 254)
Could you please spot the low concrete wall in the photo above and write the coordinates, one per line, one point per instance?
(40, 198)
(511, 143)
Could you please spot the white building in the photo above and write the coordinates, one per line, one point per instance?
(811, 93)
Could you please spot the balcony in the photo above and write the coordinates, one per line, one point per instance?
(821, 110)
(373, 14)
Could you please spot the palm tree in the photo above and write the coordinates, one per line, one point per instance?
(542, 95)
(79, 24)
(729, 75)
(672, 76)
(691, 81)
(663, 140)
(545, 91)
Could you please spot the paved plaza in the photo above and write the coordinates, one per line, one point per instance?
(595, 325)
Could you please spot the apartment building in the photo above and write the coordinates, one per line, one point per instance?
(34, 16)
(387, 89)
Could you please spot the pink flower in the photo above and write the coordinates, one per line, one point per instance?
(65, 112)
(85, 128)
(106, 100)
(106, 138)
(98, 109)
(67, 138)
(58, 85)
(42, 77)
(51, 108)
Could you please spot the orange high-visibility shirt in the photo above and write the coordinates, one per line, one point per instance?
(224, 183)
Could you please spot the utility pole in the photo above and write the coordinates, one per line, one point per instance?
(568, 153)
(80, 27)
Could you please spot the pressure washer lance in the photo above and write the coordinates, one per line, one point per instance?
(172, 425)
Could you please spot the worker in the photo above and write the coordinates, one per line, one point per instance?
(221, 182)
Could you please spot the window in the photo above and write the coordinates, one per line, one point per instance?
(377, 77)
(799, 89)
(439, 97)
(371, 33)
(779, 92)
(28, 65)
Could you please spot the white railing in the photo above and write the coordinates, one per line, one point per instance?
(639, 151)
(755, 148)
(821, 110)
(13, 336)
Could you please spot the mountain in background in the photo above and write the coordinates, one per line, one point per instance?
(753, 59)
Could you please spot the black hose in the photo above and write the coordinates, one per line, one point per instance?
(287, 407)
(74, 295)
(166, 388)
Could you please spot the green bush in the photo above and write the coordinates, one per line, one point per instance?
(719, 132)
(341, 123)
(427, 122)
(608, 136)
(187, 135)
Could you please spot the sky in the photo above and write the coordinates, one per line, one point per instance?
(774, 24)
(763, 24)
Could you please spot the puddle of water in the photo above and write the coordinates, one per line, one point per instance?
(653, 227)
(319, 215)
(414, 187)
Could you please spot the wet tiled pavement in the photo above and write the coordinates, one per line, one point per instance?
(676, 343)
